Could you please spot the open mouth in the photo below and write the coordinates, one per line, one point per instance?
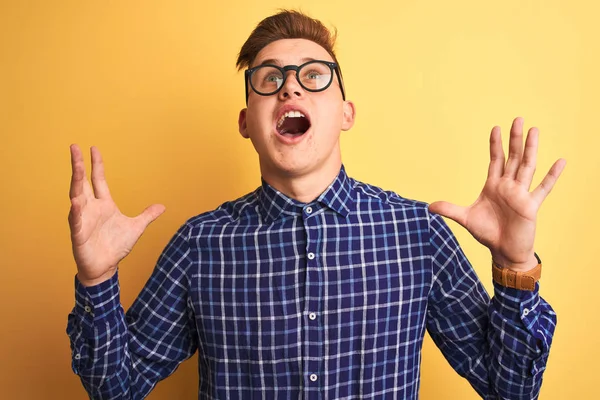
(293, 124)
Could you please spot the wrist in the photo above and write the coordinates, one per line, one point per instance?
(93, 281)
(524, 266)
(522, 280)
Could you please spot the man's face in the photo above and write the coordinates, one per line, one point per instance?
(268, 120)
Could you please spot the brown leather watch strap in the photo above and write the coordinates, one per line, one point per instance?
(517, 280)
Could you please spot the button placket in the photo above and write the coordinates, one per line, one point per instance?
(314, 278)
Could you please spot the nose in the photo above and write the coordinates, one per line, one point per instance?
(291, 87)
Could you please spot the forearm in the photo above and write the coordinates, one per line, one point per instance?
(123, 356)
(99, 342)
(501, 351)
(501, 344)
(520, 334)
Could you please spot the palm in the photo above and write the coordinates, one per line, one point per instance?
(503, 218)
(101, 236)
(105, 237)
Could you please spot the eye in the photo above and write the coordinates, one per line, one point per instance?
(272, 78)
(313, 74)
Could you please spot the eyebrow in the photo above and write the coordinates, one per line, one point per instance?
(278, 62)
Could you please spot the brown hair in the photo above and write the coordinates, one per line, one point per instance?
(287, 24)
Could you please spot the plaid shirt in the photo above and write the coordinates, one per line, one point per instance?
(327, 300)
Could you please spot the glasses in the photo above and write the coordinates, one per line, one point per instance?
(313, 76)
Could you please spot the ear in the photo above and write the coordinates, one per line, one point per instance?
(349, 115)
(242, 124)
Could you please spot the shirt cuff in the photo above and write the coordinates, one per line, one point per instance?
(518, 305)
(97, 302)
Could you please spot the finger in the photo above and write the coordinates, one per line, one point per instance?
(527, 167)
(98, 179)
(79, 183)
(496, 167)
(456, 213)
(515, 148)
(75, 221)
(545, 187)
(149, 215)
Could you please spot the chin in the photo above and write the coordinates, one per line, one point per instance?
(294, 167)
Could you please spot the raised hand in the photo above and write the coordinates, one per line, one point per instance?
(101, 236)
(503, 218)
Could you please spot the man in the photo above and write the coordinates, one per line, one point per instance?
(314, 285)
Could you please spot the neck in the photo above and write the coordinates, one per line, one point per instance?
(302, 187)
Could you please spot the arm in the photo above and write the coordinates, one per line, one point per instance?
(120, 356)
(517, 325)
(498, 346)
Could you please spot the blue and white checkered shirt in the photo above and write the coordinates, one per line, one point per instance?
(327, 300)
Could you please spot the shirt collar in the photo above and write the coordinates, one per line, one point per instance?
(338, 197)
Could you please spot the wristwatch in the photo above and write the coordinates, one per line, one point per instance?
(517, 280)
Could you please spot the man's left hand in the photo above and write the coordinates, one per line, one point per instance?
(503, 217)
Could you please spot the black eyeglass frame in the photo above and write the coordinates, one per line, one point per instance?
(332, 66)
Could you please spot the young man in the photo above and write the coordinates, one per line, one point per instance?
(314, 286)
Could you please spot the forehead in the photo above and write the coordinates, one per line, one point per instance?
(291, 52)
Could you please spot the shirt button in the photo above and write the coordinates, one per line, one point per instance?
(313, 377)
(525, 312)
(311, 256)
(312, 316)
(77, 356)
(309, 210)
(87, 309)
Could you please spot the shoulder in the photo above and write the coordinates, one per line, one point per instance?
(369, 195)
(245, 207)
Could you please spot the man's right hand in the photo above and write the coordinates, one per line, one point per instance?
(100, 234)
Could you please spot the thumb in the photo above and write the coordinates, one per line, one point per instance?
(150, 214)
(456, 213)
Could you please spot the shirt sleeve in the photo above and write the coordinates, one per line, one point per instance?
(123, 356)
(500, 345)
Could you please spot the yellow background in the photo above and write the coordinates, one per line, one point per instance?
(153, 84)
